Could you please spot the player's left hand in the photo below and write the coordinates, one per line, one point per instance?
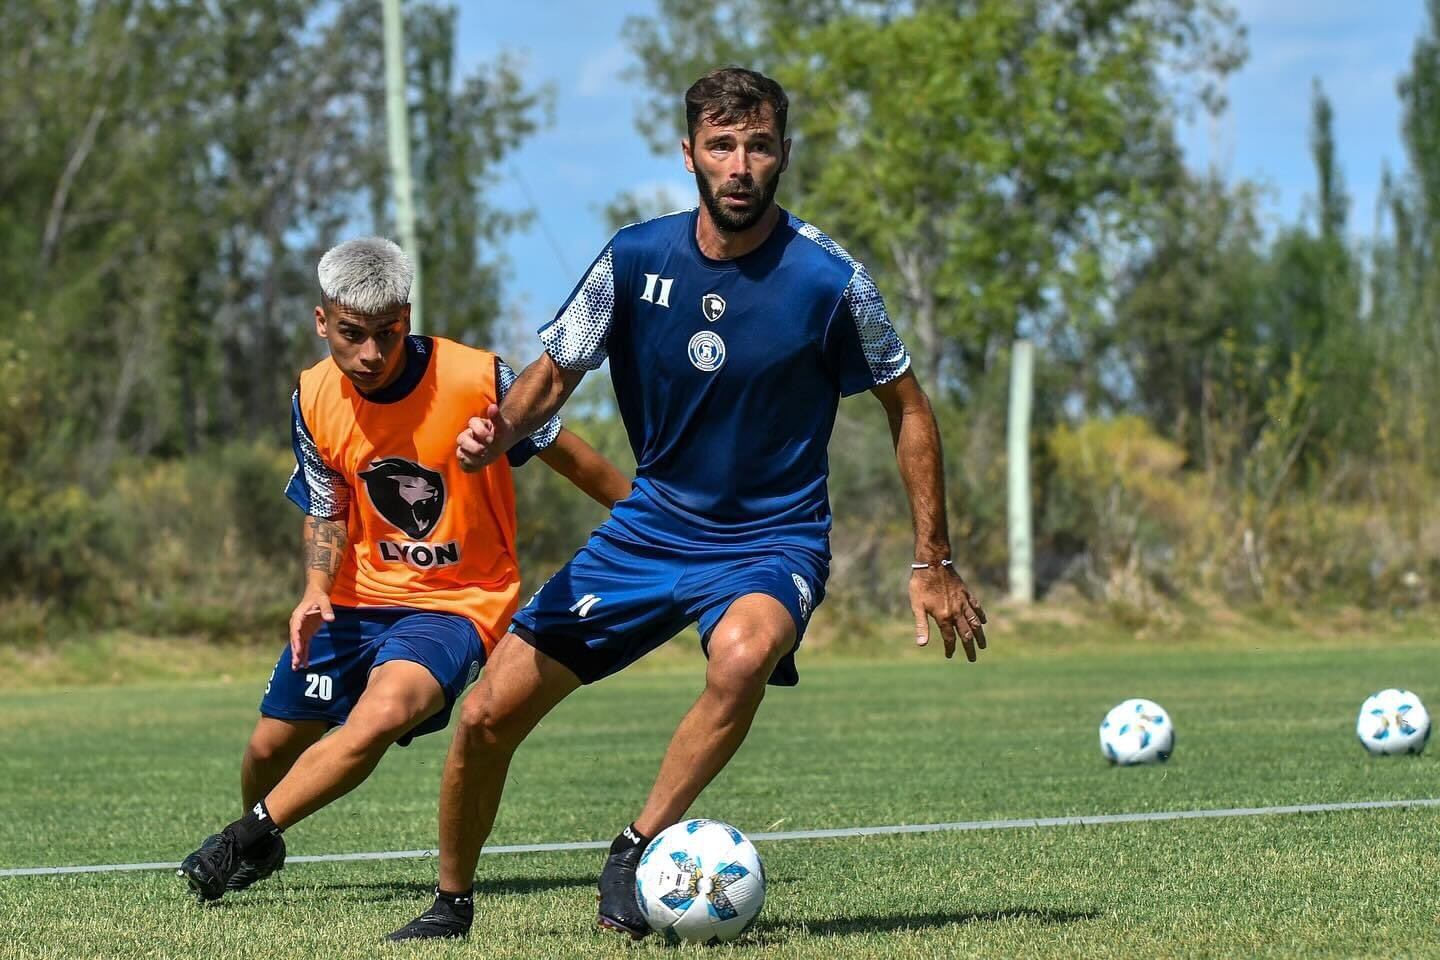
(483, 441)
(938, 593)
(313, 609)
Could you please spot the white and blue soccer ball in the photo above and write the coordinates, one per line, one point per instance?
(1393, 721)
(700, 881)
(1137, 731)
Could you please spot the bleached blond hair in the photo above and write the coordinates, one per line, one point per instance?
(371, 275)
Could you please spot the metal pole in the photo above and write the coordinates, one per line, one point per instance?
(1022, 551)
(398, 134)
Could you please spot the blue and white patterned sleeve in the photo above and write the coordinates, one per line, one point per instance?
(576, 337)
(864, 349)
(314, 487)
(537, 441)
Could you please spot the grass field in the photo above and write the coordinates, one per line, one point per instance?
(141, 773)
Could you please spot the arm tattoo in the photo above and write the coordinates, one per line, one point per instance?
(324, 544)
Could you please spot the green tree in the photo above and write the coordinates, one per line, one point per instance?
(464, 129)
(1415, 200)
(1311, 309)
(173, 171)
(1182, 330)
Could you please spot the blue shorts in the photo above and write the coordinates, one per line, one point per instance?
(617, 599)
(343, 652)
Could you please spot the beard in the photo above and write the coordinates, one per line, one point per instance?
(737, 221)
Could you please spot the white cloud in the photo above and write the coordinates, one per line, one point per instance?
(599, 74)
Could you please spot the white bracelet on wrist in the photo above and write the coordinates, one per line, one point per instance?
(927, 566)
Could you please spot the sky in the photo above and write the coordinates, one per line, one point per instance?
(592, 151)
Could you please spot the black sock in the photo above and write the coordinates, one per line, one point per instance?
(255, 829)
(629, 837)
(459, 905)
(262, 848)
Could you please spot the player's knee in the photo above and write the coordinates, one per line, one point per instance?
(268, 747)
(262, 751)
(482, 727)
(742, 659)
(382, 723)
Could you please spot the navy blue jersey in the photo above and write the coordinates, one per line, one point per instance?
(728, 373)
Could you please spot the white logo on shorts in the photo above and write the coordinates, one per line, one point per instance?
(707, 351)
(472, 673)
(803, 589)
(584, 605)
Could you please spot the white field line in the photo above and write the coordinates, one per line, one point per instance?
(964, 826)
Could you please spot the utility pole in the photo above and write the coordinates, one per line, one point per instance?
(1022, 549)
(397, 125)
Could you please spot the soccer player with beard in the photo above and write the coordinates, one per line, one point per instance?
(732, 331)
(411, 562)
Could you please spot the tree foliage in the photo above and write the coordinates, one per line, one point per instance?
(172, 172)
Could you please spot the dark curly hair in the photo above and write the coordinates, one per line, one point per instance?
(731, 95)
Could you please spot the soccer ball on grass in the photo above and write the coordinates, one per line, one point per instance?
(700, 881)
(1393, 721)
(1137, 731)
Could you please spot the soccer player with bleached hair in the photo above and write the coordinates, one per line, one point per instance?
(411, 562)
(733, 330)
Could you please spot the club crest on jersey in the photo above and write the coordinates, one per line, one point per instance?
(409, 497)
(707, 351)
(713, 306)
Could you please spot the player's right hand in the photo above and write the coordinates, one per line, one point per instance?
(482, 441)
(938, 593)
(313, 609)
